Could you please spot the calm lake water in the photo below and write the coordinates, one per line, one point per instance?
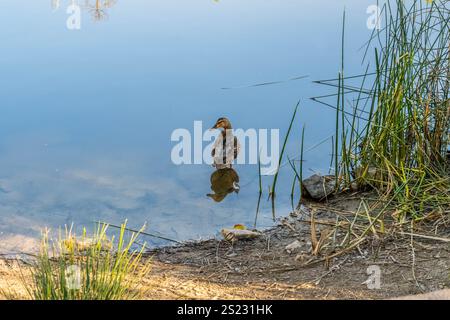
(87, 115)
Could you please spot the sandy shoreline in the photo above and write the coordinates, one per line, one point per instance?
(262, 268)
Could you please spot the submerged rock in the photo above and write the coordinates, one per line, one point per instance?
(318, 187)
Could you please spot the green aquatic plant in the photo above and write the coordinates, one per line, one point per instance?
(393, 137)
(96, 268)
(272, 189)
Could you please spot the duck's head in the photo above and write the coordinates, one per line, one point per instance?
(222, 123)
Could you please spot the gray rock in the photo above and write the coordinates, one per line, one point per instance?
(318, 187)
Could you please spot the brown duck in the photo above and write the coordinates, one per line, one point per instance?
(226, 147)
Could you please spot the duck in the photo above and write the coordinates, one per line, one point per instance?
(226, 148)
(223, 182)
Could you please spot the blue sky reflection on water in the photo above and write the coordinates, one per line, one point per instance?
(87, 115)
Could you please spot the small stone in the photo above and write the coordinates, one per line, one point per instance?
(293, 247)
(301, 257)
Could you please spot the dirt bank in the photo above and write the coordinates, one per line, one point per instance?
(262, 268)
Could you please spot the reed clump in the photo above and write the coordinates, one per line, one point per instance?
(394, 135)
(88, 268)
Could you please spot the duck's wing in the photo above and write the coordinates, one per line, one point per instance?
(217, 146)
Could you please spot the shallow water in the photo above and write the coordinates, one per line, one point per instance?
(87, 115)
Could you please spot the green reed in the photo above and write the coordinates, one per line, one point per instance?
(275, 177)
(260, 189)
(396, 134)
(97, 268)
(302, 150)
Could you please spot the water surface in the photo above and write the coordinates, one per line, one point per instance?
(86, 115)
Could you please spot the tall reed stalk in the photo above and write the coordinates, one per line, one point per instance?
(275, 177)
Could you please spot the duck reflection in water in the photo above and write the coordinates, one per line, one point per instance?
(223, 182)
(99, 9)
